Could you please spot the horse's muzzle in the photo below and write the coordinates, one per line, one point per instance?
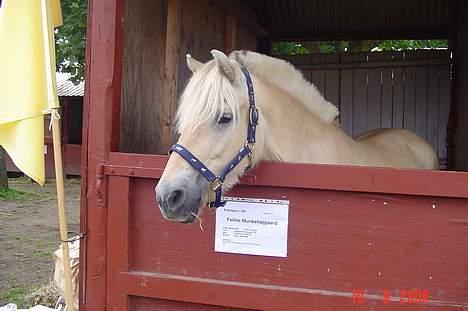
(178, 200)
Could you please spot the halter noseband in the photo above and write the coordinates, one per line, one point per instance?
(216, 182)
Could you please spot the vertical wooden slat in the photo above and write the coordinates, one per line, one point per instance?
(387, 94)
(459, 120)
(374, 92)
(231, 33)
(346, 95)
(171, 69)
(421, 102)
(409, 101)
(332, 80)
(433, 108)
(360, 97)
(142, 80)
(101, 90)
(421, 81)
(398, 93)
(318, 76)
(117, 245)
(444, 105)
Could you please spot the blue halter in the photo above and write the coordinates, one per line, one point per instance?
(216, 182)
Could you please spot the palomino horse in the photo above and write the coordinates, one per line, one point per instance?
(218, 115)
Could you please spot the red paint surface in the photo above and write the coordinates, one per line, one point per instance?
(338, 241)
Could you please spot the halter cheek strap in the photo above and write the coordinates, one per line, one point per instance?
(216, 182)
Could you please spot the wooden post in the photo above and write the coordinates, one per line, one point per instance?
(3, 169)
(61, 209)
(461, 92)
(171, 70)
(231, 33)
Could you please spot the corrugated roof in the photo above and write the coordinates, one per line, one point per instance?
(353, 19)
(65, 87)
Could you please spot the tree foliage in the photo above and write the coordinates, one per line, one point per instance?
(293, 48)
(70, 39)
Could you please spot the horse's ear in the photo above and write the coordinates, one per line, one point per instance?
(193, 64)
(226, 66)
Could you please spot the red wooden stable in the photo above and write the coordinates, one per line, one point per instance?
(359, 237)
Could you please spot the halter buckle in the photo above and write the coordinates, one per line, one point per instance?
(216, 184)
(253, 116)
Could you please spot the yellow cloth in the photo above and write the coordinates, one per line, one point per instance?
(27, 79)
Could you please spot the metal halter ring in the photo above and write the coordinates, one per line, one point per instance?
(251, 148)
(216, 184)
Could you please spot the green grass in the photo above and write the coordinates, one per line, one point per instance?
(46, 295)
(14, 295)
(13, 194)
(44, 253)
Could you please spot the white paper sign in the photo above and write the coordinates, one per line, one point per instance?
(253, 227)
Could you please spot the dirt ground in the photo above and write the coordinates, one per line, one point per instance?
(29, 233)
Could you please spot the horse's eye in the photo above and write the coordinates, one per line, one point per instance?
(225, 118)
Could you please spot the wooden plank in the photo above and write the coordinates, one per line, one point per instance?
(197, 18)
(318, 76)
(99, 103)
(246, 40)
(231, 33)
(409, 99)
(171, 71)
(374, 93)
(142, 81)
(383, 64)
(421, 93)
(148, 304)
(433, 108)
(358, 178)
(360, 124)
(444, 108)
(398, 93)
(346, 95)
(167, 264)
(387, 94)
(202, 294)
(332, 81)
(390, 34)
(117, 244)
(245, 15)
(459, 153)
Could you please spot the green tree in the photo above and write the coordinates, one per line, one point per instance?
(70, 39)
(293, 48)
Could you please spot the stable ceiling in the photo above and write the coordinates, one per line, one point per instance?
(353, 19)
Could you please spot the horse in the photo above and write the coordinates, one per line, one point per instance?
(293, 123)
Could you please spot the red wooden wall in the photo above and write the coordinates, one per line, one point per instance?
(382, 231)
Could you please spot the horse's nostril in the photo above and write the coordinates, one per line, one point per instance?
(176, 199)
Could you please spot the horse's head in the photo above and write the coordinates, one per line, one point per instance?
(212, 120)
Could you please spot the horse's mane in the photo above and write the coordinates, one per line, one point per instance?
(207, 96)
(209, 93)
(284, 76)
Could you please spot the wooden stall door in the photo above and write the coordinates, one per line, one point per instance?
(384, 236)
(408, 90)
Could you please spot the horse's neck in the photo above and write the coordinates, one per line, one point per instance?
(293, 133)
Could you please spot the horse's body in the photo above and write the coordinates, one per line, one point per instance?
(296, 134)
(296, 125)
